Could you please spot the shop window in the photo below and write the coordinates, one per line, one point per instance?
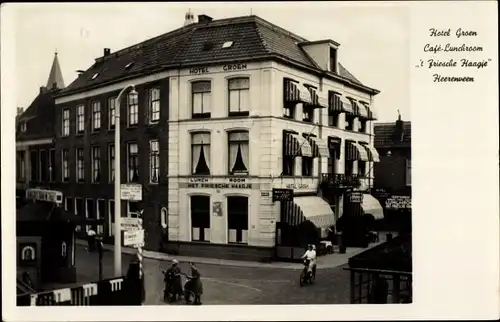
(237, 217)
(239, 96)
(238, 152)
(201, 99)
(200, 153)
(200, 218)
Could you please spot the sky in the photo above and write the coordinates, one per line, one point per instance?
(373, 37)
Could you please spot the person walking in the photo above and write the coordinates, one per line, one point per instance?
(173, 281)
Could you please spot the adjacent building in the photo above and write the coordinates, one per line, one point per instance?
(35, 149)
(227, 111)
(393, 172)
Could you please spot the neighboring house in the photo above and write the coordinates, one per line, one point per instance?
(226, 111)
(35, 129)
(393, 173)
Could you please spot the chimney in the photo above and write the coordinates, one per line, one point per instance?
(43, 89)
(399, 130)
(204, 19)
(107, 52)
(20, 110)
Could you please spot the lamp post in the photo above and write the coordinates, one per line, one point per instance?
(118, 242)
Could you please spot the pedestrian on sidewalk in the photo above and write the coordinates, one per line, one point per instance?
(194, 284)
(173, 281)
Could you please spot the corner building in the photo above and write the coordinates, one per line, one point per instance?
(259, 109)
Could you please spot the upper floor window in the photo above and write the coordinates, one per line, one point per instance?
(133, 110)
(80, 118)
(201, 100)
(80, 165)
(96, 116)
(289, 98)
(65, 165)
(154, 161)
(133, 162)
(239, 97)
(65, 122)
(21, 166)
(200, 153)
(23, 126)
(111, 162)
(96, 164)
(349, 121)
(238, 152)
(408, 172)
(333, 60)
(111, 112)
(154, 104)
(52, 164)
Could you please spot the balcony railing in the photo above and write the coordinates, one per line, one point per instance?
(340, 180)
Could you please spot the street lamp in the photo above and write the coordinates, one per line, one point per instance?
(118, 242)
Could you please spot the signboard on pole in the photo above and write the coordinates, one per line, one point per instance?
(134, 237)
(282, 194)
(129, 223)
(132, 192)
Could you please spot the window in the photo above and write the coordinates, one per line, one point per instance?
(361, 168)
(111, 162)
(289, 93)
(307, 166)
(154, 161)
(362, 126)
(24, 126)
(65, 165)
(133, 162)
(333, 119)
(80, 165)
(200, 218)
(65, 122)
(332, 160)
(21, 166)
(333, 60)
(133, 209)
(96, 164)
(133, 109)
(90, 211)
(111, 217)
(43, 166)
(200, 153)
(239, 97)
(349, 120)
(52, 163)
(238, 152)
(307, 113)
(79, 207)
(96, 116)
(154, 104)
(237, 217)
(408, 172)
(201, 99)
(80, 118)
(111, 112)
(349, 165)
(34, 165)
(101, 213)
(288, 160)
(69, 205)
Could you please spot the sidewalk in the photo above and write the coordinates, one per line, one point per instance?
(327, 261)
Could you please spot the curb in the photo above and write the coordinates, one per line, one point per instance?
(214, 261)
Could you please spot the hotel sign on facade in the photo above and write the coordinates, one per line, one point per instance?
(209, 183)
(224, 68)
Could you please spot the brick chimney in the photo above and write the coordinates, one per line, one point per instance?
(20, 111)
(107, 52)
(204, 19)
(43, 89)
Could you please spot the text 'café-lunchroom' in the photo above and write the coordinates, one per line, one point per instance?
(230, 118)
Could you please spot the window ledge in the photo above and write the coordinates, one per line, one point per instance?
(232, 114)
(201, 115)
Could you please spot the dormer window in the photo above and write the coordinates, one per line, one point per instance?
(95, 76)
(333, 60)
(227, 44)
(24, 126)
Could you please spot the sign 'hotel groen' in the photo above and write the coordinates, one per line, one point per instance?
(225, 68)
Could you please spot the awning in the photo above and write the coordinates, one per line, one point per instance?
(319, 147)
(318, 98)
(371, 206)
(311, 208)
(372, 152)
(335, 103)
(347, 106)
(361, 110)
(290, 91)
(356, 152)
(296, 146)
(304, 95)
(323, 99)
(370, 114)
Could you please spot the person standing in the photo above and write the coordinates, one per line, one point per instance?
(195, 283)
(173, 281)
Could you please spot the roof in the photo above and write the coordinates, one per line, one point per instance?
(55, 75)
(44, 211)
(384, 135)
(39, 117)
(253, 38)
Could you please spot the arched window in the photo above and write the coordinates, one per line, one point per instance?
(200, 153)
(239, 158)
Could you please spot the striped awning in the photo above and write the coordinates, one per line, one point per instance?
(319, 147)
(290, 91)
(371, 206)
(318, 99)
(305, 95)
(347, 106)
(372, 152)
(323, 99)
(371, 113)
(296, 146)
(355, 151)
(312, 208)
(335, 103)
(361, 110)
